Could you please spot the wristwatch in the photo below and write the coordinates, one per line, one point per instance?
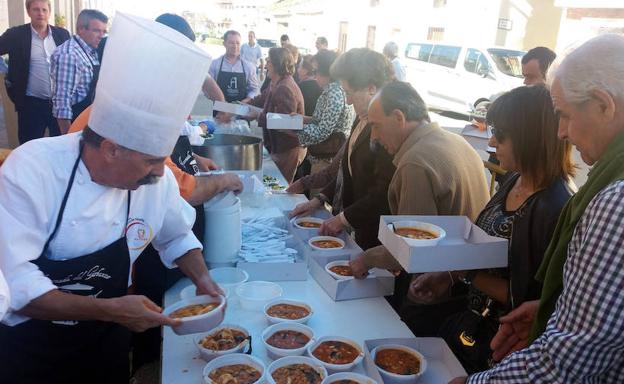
(468, 277)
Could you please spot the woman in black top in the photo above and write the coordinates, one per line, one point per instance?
(525, 211)
(310, 89)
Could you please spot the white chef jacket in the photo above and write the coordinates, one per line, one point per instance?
(5, 297)
(33, 181)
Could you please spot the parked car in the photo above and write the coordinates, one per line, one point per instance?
(265, 45)
(456, 78)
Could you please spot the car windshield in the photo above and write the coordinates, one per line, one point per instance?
(267, 43)
(507, 61)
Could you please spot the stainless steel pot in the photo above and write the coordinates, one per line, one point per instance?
(233, 152)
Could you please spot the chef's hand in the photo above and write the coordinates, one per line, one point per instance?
(137, 313)
(306, 208)
(205, 286)
(229, 182)
(296, 187)
(359, 267)
(332, 227)
(428, 288)
(205, 164)
(459, 380)
(514, 330)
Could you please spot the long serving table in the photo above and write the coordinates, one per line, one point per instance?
(361, 319)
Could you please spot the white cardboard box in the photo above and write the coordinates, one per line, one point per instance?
(442, 365)
(465, 246)
(379, 283)
(283, 121)
(236, 109)
(477, 138)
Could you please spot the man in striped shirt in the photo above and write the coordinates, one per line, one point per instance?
(75, 67)
(583, 340)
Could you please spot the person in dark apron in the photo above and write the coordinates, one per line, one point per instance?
(41, 351)
(233, 84)
(88, 100)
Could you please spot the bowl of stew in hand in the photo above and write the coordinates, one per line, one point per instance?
(287, 339)
(235, 368)
(399, 363)
(336, 353)
(295, 370)
(222, 340)
(339, 269)
(287, 311)
(312, 223)
(326, 243)
(198, 313)
(418, 233)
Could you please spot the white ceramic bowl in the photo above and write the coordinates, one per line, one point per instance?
(289, 360)
(254, 295)
(298, 220)
(389, 376)
(275, 352)
(229, 277)
(336, 367)
(419, 225)
(199, 323)
(188, 292)
(361, 379)
(317, 238)
(235, 358)
(334, 274)
(275, 320)
(209, 354)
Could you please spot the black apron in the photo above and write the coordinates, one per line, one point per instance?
(88, 100)
(233, 84)
(39, 351)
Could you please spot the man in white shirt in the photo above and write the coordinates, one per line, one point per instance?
(28, 81)
(235, 76)
(77, 211)
(253, 53)
(391, 51)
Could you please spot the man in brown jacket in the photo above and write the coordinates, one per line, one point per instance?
(437, 173)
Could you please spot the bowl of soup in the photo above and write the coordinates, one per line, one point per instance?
(418, 233)
(339, 269)
(197, 314)
(348, 378)
(399, 363)
(310, 223)
(287, 311)
(326, 243)
(336, 353)
(222, 340)
(287, 339)
(235, 368)
(296, 370)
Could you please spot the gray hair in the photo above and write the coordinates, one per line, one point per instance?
(596, 64)
(391, 49)
(86, 15)
(402, 96)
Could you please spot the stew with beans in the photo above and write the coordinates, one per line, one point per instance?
(336, 352)
(235, 374)
(415, 233)
(308, 224)
(223, 340)
(288, 339)
(345, 381)
(193, 310)
(288, 311)
(326, 244)
(342, 270)
(296, 374)
(397, 361)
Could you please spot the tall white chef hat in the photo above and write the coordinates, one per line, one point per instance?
(150, 78)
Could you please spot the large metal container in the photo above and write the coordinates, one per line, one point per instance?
(233, 152)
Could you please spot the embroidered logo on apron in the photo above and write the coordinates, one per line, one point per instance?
(139, 234)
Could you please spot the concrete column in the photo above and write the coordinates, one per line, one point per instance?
(17, 13)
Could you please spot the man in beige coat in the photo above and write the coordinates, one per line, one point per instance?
(437, 173)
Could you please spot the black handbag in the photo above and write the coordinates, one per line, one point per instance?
(468, 334)
(327, 148)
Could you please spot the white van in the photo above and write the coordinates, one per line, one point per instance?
(456, 78)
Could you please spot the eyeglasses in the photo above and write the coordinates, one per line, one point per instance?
(497, 132)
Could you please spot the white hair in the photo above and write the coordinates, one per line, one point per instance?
(391, 49)
(596, 64)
